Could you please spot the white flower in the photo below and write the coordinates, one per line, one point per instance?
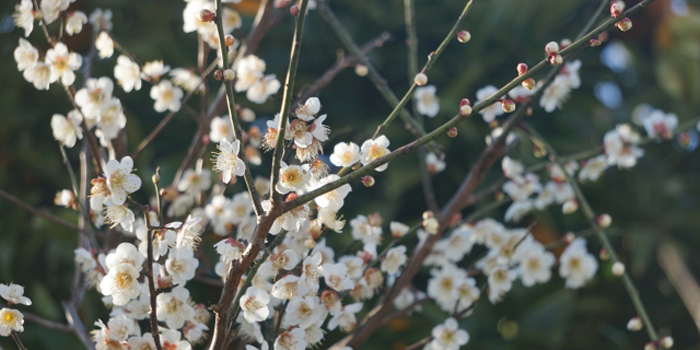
(254, 305)
(304, 311)
(556, 93)
(173, 308)
(292, 178)
(249, 70)
(24, 16)
(345, 318)
(167, 96)
(121, 283)
(512, 169)
(152, 71)
(491, 112)
(620, 146)
(336, 276)
(312, 268)
(363, 231)
(373, 149)
(93, 98)
(332, 200)
(288, 287)
(433, 163)
(128, 74)
(261, 90)
(285, 260)
(309, 109)
(500, 282)
(345, 154)
(395, 258)
(75, 21)
(426, 102)
(593, 168)
(10, 320)
(104, 45)
(186, 79)
(576, 264)
(195, 181)
(536, 265)
(26, 55)
(67, 130)
(171, 340)
(101, 19)
(62, 64)
(144, 342)
(442, 284)
(220, 129)
(397, 229)
(111, 122)
(39, 75)
(570, 71)
(229, 249)
(448, 336)
(227, 161)
(120, 180)
(189, 232)
(661, 125)
(118, 214)
(14, 294)
(181, 265)
(264, 346)
(291, 340)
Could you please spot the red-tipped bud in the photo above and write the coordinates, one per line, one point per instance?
(294, 10)
(568, 238)
(465, 102)
(521, 68)
(604, 220)
(618, 269)
(206, 16)
(616, 8)
(368, 181)
(564, 43)
(635, 324)
(218, 75)
(528, 83)
(624, 25)
(551, 48)
(465, 110)
(229, 40)
(463, 36)
(555, 59)
(604, 254)
(508, 105)
(570, 206)
(452, 133)
(666, 342)
(594, 42)
(421, 79)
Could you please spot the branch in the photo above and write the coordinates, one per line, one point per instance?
(151, 279)
(39, 213)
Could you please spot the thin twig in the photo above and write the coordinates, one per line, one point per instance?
(39, 213)
(151, 278)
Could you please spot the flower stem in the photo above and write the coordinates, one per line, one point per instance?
(18, 341)
(151, 280)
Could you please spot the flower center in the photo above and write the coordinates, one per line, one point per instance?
(252, 304)
(124, 280)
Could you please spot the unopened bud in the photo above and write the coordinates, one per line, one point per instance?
(421, 79)
(206, 16)
(594, 42)
(604, 254)
(465, 110)
(618, 269)
(361, 70)
(551, 48)
(428, 214)
(247, 115)
(294, 10)
(309, 244)
(452, 133)
(529, 83)
(431, 225)
(568, 238)
(508, 105)
(368, 181)
(555, 60)
(465, 102)
(521, 68)
(635, 324)
(570, 206)
(229, 75)
(616, 8)
(650, 346)
(155, 178)
(463, 36)
(528, 112)
(229, 40)
(666, 342)
(624, 25)
(604, 220)
(564, 43)
(218, 75)
(603, 36)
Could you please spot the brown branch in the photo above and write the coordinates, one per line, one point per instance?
(39, 213)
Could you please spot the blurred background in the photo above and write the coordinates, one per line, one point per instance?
(654, 205)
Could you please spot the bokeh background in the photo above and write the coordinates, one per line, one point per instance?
(656, 203)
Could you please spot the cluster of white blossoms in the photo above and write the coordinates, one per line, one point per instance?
(12, 320)
(251, 78)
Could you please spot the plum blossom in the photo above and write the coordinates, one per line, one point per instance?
(66, 130)
(336, 276)
(24, 16)
(254, 305)
(393, 261)
(291, 178)
(660, 125)
(593, 168)
(75, 21)
(10, 320)
(104, 45)
(93, 98)
(345, 154)
(62, 64)
(181, 265)
(500, 282)
(167, 96)
(621, 146)
(576, 264)
(26, 55)
(174, 308)
(373, 149)
(345, 318)
(491, 112)
(448, 336)
(261, 90)
(294, 339)
(307, 111)
(123, 268)
(332, 200)
(128, 74)
(426, 102)
(227, 161)
(536, 265)
(220, 129)
(14, 294)
(120, 180)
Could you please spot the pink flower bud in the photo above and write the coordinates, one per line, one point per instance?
(206, 16)
(528, 83)
(218, 75)
(604, 254)
(368, 181)
(229, 40)
(635, 324)
(650, 346)
(666, 342)
(618, 269)
(421, 79)
(361, 70)
(616, 8)
(564, 43)
(463, 36)
(229, 75)
(452, 133)
(508, 105)
(555, 59)
(604, 220)
(521, 68)
(593, 42)
(570, 206)
(465, 101)
(551, 48)
(624, 25)
(294, 10)
(465, 110)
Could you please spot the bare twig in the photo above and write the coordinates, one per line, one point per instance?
(39, 213)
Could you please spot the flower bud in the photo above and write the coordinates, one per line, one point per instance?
(155, 178)
(568, 238)
(604, 220)
(508, 105)
(218, 75)
(374, 278)
(465, 101)
(247, 115)
(521, 68)
(368, 181)
(294, 10)
(551, 48)
(635, 324)
(616, 8)
(564, 43)
(528, 83)
(570, 206)
(329, 298)
(361, 70)
(465, 110)
(229, 75)
(650, 346)
(594, 42)
(428, 214)
(431, 225)
(666, 342)
(206, 16)
(604, 254)
(555, 60)
(452, 133)
(624, 25)
(421, 79)
(603, 36)
(309, 244)
(618, 269)
(463, 36)
(229, 40)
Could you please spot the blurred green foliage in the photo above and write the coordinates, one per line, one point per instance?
(657, 201)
